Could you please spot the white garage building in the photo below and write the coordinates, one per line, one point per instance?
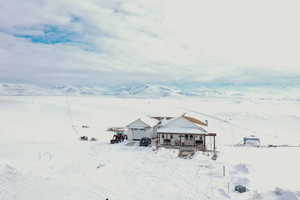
(142, 127)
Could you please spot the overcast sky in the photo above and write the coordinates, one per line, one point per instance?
(111, 42)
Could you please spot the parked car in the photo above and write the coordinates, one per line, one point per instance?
(145, 142)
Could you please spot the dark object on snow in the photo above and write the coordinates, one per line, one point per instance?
(186, 153)
(85, 126)
(93, 139)
(240, 189)
(214, 157)
(118, 138)
(100, 165)
(84, 138)
(144, 142)
(272, 145)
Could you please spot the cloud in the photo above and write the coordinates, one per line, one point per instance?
(113, 42)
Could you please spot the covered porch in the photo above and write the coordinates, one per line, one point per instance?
(199, 142)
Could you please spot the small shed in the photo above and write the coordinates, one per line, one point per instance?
(142, 127)
(251, 140)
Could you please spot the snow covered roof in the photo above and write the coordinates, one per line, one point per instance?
(182, 130)
(181, 125)
(164, 121)
(148, 120)
(144, 122)
(116, 129)
(162, 117)
(251, 137)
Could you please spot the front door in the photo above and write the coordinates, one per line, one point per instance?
(189, 140)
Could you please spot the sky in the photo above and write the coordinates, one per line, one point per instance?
(116, 42)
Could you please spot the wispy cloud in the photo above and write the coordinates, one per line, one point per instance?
(117, 41)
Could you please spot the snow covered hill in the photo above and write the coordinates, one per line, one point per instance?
(154, 91)
(21, 90)
(32, 90)
(142, 91)
(145, 91)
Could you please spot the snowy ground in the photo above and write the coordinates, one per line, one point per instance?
(42, 158)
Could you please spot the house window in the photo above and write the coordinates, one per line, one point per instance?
(167, 141)
(191, 136)
(138, 129)
(171, 136)
(186, 136)
(163, 136)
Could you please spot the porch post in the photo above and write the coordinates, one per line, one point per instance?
(204, 142)
(180, 139)
(214, 144)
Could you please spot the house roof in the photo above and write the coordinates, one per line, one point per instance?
(251, 137)
(162, 118)
(116, 129)
(182, 130)
(182, 125)
(144, 122)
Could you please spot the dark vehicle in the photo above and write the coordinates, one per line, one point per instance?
(144, 142)
(240, 189)
(84, 138)
(118, 138)
(93, 139)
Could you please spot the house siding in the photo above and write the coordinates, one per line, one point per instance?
(137, 134)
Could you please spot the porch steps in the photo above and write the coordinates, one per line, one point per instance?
(186, 152)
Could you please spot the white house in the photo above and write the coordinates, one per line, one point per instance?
(142, 127)
(185, 131)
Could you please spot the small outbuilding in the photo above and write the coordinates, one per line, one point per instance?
(251, 140)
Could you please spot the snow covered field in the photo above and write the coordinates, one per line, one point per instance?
(41, 157)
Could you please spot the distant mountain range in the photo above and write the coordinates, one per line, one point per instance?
(150, 91)
(32, 90)
(146, 90)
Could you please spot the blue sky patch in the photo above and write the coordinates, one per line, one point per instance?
(52, 34)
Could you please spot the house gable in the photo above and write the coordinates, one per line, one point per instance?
(181, 125)
(180, 122)
(138, 124)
